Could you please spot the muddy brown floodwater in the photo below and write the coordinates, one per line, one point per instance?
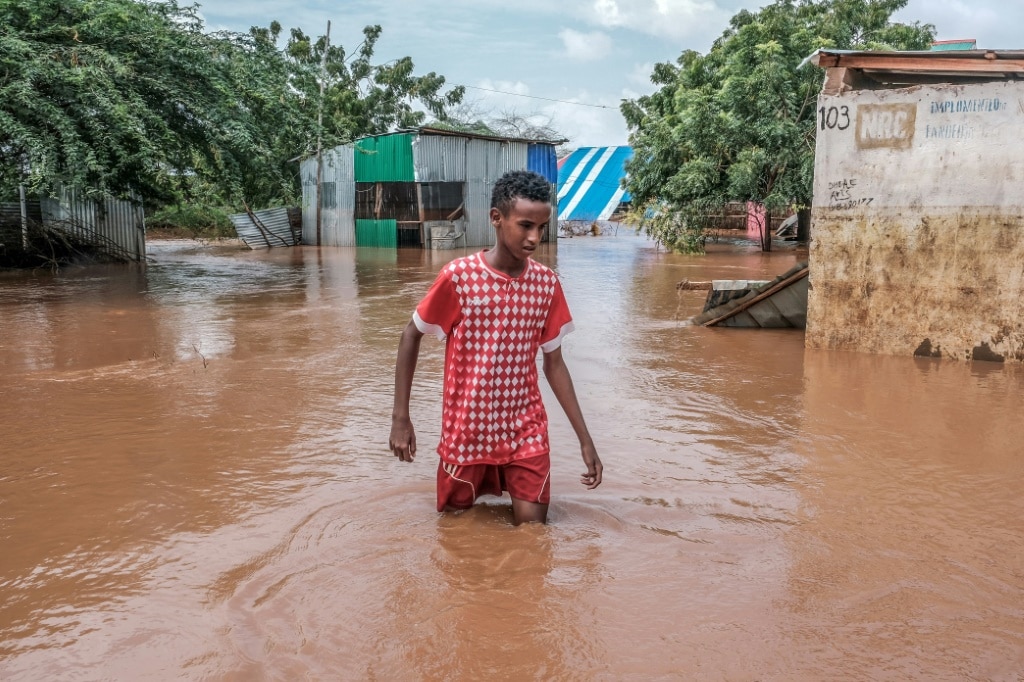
(195, 484)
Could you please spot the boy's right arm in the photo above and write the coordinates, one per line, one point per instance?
(403, 438)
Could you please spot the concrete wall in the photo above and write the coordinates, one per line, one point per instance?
(918, 222)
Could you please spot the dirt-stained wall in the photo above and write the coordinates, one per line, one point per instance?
(918, 222)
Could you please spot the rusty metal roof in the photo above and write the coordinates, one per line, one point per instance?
(990, 63)
(478, 136)
(900, 69)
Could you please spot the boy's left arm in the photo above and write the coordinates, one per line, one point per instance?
(560, 381)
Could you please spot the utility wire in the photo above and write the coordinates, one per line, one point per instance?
(547, 99)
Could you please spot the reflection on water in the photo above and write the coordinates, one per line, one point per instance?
(194, 482)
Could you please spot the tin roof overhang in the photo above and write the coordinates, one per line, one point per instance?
(478, 136)
(925, 66)
(427, 130)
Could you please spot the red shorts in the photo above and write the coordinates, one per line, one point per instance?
(458, 486)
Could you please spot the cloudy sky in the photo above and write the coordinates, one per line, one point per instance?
(569, 62)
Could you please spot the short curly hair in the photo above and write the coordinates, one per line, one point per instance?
(519, 184)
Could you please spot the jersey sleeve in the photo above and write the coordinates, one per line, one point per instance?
(440, 309)
(558, 323)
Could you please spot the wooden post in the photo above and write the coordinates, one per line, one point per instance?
(803, 225)
(423, 215)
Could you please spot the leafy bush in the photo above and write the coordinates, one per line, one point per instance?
(193, 220)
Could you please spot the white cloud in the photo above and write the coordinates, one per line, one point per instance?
(511, 87)
(674, 19)
(641, 75)
(574, 116)
(993, 27)
(607, 12)
(585, 47)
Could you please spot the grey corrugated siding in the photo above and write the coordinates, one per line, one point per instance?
(479, 231)
(513, 157)
(10, 228)
(439, 158)
(483, 167)
(115, 226)
(307, 172)
(276, 232)
(123, 222)
(337, 221)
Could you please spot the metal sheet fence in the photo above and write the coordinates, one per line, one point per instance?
(272, 227)
(115, 227)
(11, 237)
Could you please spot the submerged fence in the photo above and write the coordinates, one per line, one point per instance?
(113, 229)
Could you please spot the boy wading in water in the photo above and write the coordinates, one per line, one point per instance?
(496, 308)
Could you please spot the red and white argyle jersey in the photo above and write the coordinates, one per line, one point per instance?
(492, 411)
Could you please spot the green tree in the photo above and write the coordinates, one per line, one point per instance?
(738, 123)
(360, 97)
(281, 88)
(119, 96)
(114, 95)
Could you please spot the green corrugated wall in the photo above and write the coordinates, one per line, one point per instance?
(387, 158)
(377, 232)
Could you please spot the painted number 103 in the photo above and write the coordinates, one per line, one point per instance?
(834, 117)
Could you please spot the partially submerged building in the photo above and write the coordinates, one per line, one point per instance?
(426, 187)
(918, 209)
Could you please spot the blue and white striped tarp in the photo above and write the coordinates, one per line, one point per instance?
(589, 183)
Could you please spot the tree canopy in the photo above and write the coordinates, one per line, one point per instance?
(738, 123)
(113, 96)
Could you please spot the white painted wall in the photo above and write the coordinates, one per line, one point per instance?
(918, 222)
(930, 146)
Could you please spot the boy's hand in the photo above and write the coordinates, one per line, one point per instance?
(592, 478)
(403, 439)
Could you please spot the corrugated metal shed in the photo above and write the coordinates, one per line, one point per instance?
(439, 158)
(541, 158)
(589, 183)
(513, 157)
(337, 221)
(425, 156)
(385, 158)
(483, 167)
